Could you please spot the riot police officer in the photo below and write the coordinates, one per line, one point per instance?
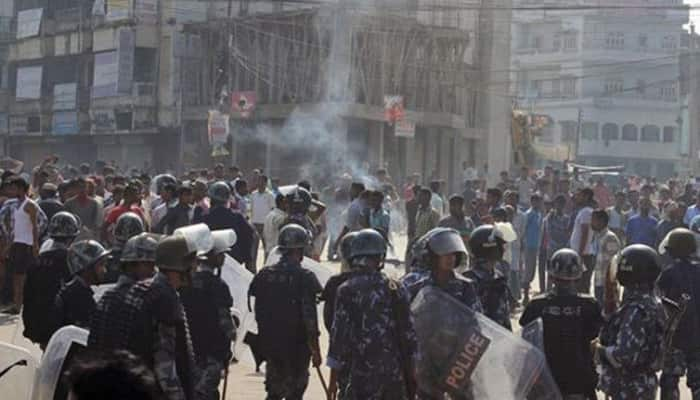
(487, 244)
(285, 310)
(330, 290)
(127, 226)
(570, 322)
(74, 303)
(631, 342)
(138, 259)
(442, 251)
(208, 303)
(298, 202)
(681, 277)
(221, 216)
(46, 278)
(372, 339)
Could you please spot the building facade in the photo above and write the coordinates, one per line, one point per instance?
(609, 79)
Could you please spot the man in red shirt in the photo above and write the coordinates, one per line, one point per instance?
(131, 202)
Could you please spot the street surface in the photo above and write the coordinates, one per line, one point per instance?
(245, 384)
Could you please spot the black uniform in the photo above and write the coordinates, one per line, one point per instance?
(41, 286)
(683, 276)
(285, 309)
(570, 322)
(74, 304)
(220, 217)
(329, 294)
(207, 304)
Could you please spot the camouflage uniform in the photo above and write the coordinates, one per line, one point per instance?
(633, 343)
(286, 285)
(208, 305)
(365, 339)
(148, 319)
(414, 276)
(458, 287)
(493, 291)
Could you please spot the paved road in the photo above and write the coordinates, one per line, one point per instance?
(243, 382)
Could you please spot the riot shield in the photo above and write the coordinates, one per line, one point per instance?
(465, 355)
(19, 340)
(533, 333)
(238, 279)
(323, 274)
(17, 371)
(62, 348)
(198, 238)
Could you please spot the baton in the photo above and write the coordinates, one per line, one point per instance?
(223, 392)
(323, 381)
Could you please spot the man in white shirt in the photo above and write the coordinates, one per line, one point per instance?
(582, 237)
(262, 201)
(525, 187)
(273, 223)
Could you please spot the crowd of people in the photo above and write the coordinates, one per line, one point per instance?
(162, 241)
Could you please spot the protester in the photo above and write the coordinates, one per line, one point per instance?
(641, 228)
(87, 208)
(262, 202)
(532, 242)
(606, 245)
(582, 237)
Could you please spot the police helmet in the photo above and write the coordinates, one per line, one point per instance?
(85, 254)
(293, 236)
(680, 243)
(565, 265)
(64, 225)
(220, 192)
(439, 241)
(638, 264)
(141, 248)
(172, 254)
(367, 243)
(345, 244)
(128, 225)
(487, 242)
(298, 200)
(160, 181)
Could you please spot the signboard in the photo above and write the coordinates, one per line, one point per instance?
(65, 123)
(29, 83)
(125, 60)
(243, 103)
(118, 9)
(18, 125)
(405, 128)
(393, 108)
(146, 11)
(102, 121)
(29, 22)
(65, 96)
(218, 127)
(105, 75)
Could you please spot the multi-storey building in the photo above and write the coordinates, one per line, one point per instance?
(609, 78)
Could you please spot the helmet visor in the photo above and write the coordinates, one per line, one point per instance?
(447, 242)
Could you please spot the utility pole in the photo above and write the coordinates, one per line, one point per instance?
(578, 131)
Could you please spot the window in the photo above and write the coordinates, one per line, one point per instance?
(651, 133)
(556, 42)
(589, 130)
(571, 41)
(615, 40)
(629, 133)
(643, 41)
(33, 124)
(641, 86)
(669, 133)
(144, 64)
(612, 86)
(568, 131)
(610, 132)
(556, 88)
(537, 88)
(537, 42)
(668, 91)
(669, 42)
(123, 120)
(568, 87)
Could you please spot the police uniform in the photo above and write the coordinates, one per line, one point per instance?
(74, 304)
(682, 277)
(414, 276)
(633, 339)
(207, 302)
(570, 322)
(40, 289)
(283, 292)
(365, 337)
(492, 288)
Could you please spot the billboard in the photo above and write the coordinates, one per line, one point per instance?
(29, 83)
(65, 96)
(105, 75)
(64, 123)
(29, 22)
